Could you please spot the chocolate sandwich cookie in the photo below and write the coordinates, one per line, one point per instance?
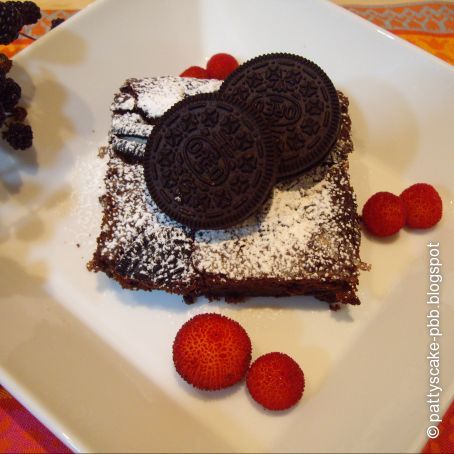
(296, 99)
(141, 102)
(210, 163)
(128, 135)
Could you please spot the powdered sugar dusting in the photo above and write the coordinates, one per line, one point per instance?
(279, 243)
(124, 102)
(138, 237)
(130, 124)
(88, 185)
(155, 95)
(129, 147)
(307, 230)
(141, 101)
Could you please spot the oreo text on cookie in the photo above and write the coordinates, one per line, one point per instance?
(210, 163)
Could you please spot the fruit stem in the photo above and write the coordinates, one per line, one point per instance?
(27, 36)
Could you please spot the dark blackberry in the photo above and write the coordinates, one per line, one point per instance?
(10, 23)
(11, 94)
(19, 136)
(19, 113)
(2, 116)
(56, 22)
(5, 63)
(2, 82)
(29, 11)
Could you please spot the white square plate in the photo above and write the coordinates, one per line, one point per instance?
(93, 361)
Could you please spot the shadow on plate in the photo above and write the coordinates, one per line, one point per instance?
(13, 165)
(47, 102)
(34, 180)
(208, 395)
(66, 366)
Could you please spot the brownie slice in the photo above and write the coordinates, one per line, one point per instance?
(140, 102)
(304, 240)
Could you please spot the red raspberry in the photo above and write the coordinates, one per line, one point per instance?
(219, 66)
(275, 381)
(423, 206)
(212, 352)
(384, 214)
(196, 72)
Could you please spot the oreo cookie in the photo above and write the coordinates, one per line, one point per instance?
(296, 99)
(128, 135)
(210, 162)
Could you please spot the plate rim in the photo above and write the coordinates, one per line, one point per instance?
(9, 382)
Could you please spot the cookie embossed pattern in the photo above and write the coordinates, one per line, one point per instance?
(210, 163)
(298, 101)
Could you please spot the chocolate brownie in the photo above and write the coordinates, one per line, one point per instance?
(304, 240)
(140, 102)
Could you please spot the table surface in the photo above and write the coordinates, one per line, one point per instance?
(427, 24)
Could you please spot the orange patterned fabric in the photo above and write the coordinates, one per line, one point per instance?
(35, 30)
(429, 25)
(21, 432)
(442, 47)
